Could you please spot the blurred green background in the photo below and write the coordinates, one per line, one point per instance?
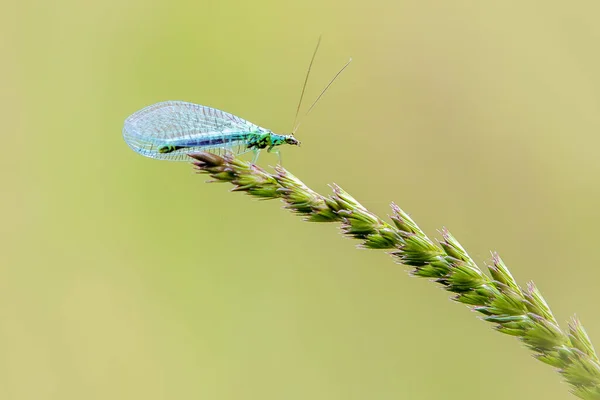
(123, 277)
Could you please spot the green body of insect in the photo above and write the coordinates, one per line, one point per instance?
(256, 141)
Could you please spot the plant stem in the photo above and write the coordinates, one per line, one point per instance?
(516, 311)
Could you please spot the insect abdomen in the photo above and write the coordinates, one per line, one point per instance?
(168, 149)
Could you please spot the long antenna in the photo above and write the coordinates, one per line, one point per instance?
(322, 93)
(306, 79)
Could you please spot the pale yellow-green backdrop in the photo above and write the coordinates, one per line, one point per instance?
(123, 277)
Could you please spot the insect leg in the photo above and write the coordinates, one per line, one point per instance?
(256, 154)
(278, 152)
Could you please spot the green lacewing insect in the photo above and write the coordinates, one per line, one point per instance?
(171, 130)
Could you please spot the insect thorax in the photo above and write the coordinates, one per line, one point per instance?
(262, 140)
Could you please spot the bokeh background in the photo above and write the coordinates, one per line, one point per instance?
(123, 277)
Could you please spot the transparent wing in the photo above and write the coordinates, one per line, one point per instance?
(187, 127)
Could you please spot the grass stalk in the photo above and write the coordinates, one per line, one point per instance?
(513, 310)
